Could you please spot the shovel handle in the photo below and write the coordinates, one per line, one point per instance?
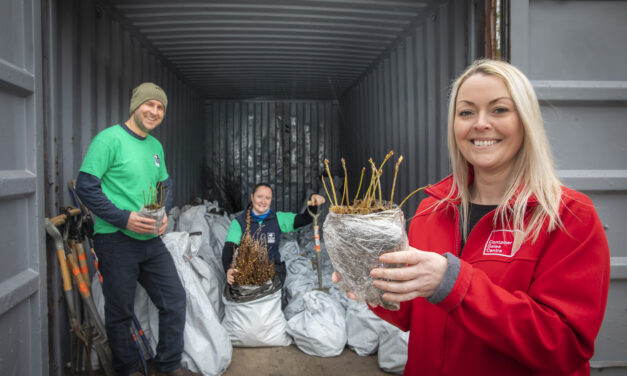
(65, 273)
(61, 218)
(54, 233)
(67, 283)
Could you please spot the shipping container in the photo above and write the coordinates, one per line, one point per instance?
(265, 90)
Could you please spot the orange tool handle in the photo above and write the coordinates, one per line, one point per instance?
(65, 273)
(317, 238)
(86, 295)
(78, 277)
(95, 257)
(82, 262)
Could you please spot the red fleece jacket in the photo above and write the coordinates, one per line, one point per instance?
(535, 310)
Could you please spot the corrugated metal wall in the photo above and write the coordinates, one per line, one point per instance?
(400, 104)
(279, 49)
(23, 324)
(283, 143)
(574, 54)
(92, 62)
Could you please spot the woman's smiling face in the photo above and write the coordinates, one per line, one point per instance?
(261, 198)
(487, 128)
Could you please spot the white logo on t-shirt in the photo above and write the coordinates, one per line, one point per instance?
(157, 160)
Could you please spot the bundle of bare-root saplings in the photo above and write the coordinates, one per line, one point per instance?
(255, 275)
(357, 232)
(252, 305)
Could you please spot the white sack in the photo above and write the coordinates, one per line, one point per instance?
(207, 346)
(288, 248)
(300, 277)
(219, 225)
(256, 323)
(320, 328)
(362, 329)
(392, 348)
(173, 217)
(193, 221)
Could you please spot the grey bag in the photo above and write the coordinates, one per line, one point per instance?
(320, 328)
(393, 344)
(362, 329)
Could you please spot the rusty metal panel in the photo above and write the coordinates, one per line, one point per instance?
(23, 274)
(283, 143)
(400, 104)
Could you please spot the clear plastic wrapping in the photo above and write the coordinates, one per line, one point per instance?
(156, 214)
(355, 242)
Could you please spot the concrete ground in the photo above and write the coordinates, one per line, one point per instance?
(290, 361)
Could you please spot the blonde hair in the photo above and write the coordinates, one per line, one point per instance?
(533, 173)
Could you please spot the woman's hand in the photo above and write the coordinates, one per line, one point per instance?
(230, 275)
(420, 278)
(316, 200)
(335, 277)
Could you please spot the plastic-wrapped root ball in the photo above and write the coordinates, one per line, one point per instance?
(156, 214)
(355, 242)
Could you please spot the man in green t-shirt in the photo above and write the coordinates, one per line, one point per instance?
(123, 171)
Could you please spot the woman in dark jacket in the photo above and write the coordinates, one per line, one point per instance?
(265, 222)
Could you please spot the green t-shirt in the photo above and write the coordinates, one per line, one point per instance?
(128, 169)
(285, 219)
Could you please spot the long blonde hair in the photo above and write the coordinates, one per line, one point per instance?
(533, 173)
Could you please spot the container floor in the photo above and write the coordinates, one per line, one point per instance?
(290, 361)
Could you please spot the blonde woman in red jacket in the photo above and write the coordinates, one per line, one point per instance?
(508, 271)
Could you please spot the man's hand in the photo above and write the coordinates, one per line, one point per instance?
(316, 200)
(230, 275)
(139, 224)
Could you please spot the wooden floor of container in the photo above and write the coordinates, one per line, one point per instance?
(290, 361)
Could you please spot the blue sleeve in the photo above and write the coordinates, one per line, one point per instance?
(90, 193)
(167, 191)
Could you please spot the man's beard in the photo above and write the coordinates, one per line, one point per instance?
(140, 124)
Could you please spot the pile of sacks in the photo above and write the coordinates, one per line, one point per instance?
(318, 323)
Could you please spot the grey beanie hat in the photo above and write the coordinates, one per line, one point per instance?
(146, 92)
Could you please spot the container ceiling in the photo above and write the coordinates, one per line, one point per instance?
(287, 49)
